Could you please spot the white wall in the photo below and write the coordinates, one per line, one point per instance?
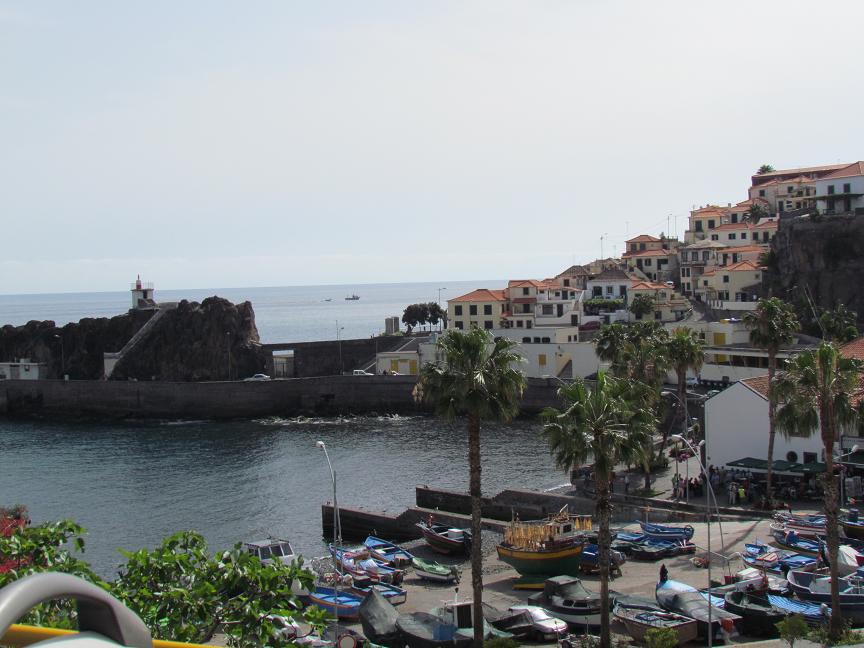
(736, 426)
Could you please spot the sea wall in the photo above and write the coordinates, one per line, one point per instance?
(333, 357)
(330, 395)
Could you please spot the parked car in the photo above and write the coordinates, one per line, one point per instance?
(257, 377)
(692, 381)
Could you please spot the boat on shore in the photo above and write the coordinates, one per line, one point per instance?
(445, 539)
(551, 547)
(387, 552)
(816, 587)
(566, 598)
(686, 600)
(666, 532)
(343, 604)
(358, 564)
(430, 570)
(760, 613)
(639, 618)
(393, 594)
(789, 539)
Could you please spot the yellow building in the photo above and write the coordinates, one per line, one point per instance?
(732, 287)
(656, 258)
(703, 221)
(669, 306)
(481, 308)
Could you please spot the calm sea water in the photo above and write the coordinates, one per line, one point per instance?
(133, 483)
(287, 314)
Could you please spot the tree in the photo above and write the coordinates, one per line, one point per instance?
(765, 168)
(772, 325)
(179, 590)
(641, 305)
(816, 390)
(756, 213)
(415, 314)
(478, 378)
(435, 313)
(605, 424)
(839, 325)
(685, 350)
(793, 628)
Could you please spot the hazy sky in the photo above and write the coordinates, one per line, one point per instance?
(214, 144)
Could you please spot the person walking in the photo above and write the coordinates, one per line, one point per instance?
(626, 483)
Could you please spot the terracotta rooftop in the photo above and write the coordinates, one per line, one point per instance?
(482, 295)
(854, 169)
(758, 385)
(725, 227)
(649, 253)
(611, 274)
(749, 248)
(647, 285)
(531, 283)
(574, 271)
(644, 238)
(854, 349)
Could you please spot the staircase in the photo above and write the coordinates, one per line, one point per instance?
(140, 334)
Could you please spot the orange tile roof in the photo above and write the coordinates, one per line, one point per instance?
(854, 169)
(854, 349)
(743, 266)
(520, 283)
(749, 248)
(644, 238)
(710, 209)
(725, 227)
(649, 253)
(766, 223)
(482, 295)
(647, 285)
(758, 385)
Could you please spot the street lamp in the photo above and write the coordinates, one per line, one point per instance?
(685, 431)
(678, 437)
(439, 304)
(337, 536)
(339, 329)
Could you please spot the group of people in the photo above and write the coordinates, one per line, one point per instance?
(739, 485)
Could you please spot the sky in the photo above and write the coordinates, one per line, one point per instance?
(228, 144)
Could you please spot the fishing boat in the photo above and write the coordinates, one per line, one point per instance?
(517, 623)
(352, 297)
(686, 600)
(566, 598)
(790, 540)
(665, 532)
(551, 547)
(761, 613)
(450, 625)
(590, 560)
(445, 539)
(378, 619)
(358, 564)
(816, 587)
(853, 529)
(806, 525)
(433, 571)
(638, 619)
(387, 552)
(775, 561)
(544, 627)
(344, 604)
(394, 594)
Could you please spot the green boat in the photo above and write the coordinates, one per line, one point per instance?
(433, 571)
(550, 547)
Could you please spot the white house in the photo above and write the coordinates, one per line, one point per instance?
(842, 190)
(736, 427)
(23, 369)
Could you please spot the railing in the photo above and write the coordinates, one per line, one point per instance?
(141, 285)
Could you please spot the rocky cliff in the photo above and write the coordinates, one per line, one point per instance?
(197, 342)
(190, 342)
(819, 256)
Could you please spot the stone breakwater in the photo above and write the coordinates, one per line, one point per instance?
(323, 396)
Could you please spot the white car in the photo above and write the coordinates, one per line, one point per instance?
(545, 627)
(257, 377)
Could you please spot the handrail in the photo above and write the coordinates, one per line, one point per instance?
(20, 635)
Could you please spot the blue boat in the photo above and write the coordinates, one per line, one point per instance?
(664, 532)
(358, 564)
(789, 539)
(344, 604)
(775, 561)
(387, 552)
(393, 594)
(686, 600)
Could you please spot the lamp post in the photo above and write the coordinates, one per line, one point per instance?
(852, 451)
(337, 536)
(440, 324)
(678, 437)
(684, 431)
(339, 329)
(62, 356)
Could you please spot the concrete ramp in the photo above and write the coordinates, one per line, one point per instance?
(111, 359)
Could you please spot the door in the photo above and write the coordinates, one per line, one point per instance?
(560, 310)
(412, 367)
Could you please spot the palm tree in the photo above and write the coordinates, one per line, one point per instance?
(606, 425)
(478, 378)
(816, 390)
(610, 341)
(685, 350)
(772, 325)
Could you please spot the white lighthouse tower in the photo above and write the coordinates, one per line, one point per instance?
(142, 295)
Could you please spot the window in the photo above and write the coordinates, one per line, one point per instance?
(658, 315)
(706, 255)
(545, 340)
(726, 278)
(632, 247)
(459, 325)
(710, 224)
(487, 324)
(566, 282)
(524, 291)
(647, 262)
(528, 324)
(536, 340)
(487, 309)
(761, 193)
(472, 309)
(830, 189)
(610, 290)
(548, 309)
(526, 340)
(809, 457)
(457, 310)
(641, 246)
(541, 359)
(519, 324)
(743, 235)
(715, 237)
(764, 236)
(847, 187)
(731, 236)
(704, 282)
(526, 308)
(790, 189)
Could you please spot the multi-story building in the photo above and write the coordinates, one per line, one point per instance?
(735, 234)
(703, 221)
(841, 191)
(575, 276)
(542, 303)
(482, 308)
(656, 258)
(669, 306)
(694, 259)
(788, 190)
(733, 287)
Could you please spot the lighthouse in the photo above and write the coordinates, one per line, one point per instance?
(142, 295)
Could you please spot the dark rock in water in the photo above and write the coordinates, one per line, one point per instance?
(197, 342)
(188, 343)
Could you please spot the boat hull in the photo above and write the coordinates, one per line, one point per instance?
(756, 620)
(853, 530)
(687, 630)
(560, 562)
(345, 605)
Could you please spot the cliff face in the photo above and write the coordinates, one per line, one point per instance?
(192, 343)
(78, 348)
(823, 256)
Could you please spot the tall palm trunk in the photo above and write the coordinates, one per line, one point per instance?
(476, 545)
(772, 410)
(603, 542)
(826, 423)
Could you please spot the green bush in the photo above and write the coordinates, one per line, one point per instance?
(661, 638)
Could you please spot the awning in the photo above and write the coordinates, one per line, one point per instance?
(855, 459)
(779, 466)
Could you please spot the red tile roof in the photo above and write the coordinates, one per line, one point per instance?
(758, 385)
(649, 253)
(520, 283)
(766, 224)
(482, 295)
(854, 169)
(647, 285)
(743, 266)
(854, 349)
(644, 238)
(725, 227)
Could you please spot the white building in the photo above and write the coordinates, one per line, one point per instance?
(23, 369)
(736, 427)
(841, 191)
